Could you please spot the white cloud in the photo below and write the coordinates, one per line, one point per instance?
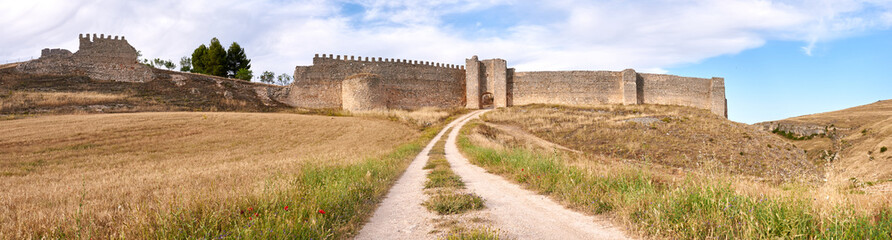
(566, 34)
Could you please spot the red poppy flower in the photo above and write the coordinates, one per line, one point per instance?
(286, 208)
(321, 211)
(250, 209)
(249, 218)
(521, 169)
(256, 214)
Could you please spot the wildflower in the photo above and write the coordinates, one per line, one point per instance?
(249, 218)
(521, 169)
(286, 208)
(256, 214)
(250, 209)
(321, 211)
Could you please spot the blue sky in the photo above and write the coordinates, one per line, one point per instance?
(779, 58)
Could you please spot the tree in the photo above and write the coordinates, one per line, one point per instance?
(268, 77)
(244, 74)
(185, 64)
(157, 62)
(284, 79)
(236, 60)
(198, 59)
(215, 59)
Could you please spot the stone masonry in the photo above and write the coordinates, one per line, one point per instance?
(364, 83)
(100, 57)
(410, 84)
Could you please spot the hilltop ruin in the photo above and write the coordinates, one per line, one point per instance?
(358, 83)
(331, 82)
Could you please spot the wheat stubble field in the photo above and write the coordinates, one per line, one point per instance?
(151, 174)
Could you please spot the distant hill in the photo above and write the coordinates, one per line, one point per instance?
(854, 142)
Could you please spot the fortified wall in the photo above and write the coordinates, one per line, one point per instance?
(491, 79)
(369, 83)
(395, 83)
(98, 57)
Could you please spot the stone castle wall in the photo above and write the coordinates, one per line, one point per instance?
(100, 57)
(357, 83)
(567, 87)
(406, 84)
(362, 92)
(508, 88)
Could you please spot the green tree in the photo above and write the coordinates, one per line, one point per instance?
(244, 74)
(198, 59)
(284, 79)
(185, 64)
(158, 63)
(268, 77)
(215, 59)
(236, 60)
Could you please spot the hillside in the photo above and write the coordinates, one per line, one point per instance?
(136, 175)
(670, 136)
(23, 93)
(851, 140)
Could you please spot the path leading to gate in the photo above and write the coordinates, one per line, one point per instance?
(516, 212)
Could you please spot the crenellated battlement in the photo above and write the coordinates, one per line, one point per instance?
(99, 56)
(317, 59)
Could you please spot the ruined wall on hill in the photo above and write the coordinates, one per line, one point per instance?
(703, 93)
(623, 87)
(406, 84)
(567, 87)
(98, 57)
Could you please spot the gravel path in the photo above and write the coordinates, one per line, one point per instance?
(401, 215)
(520, 213)
(515, 212)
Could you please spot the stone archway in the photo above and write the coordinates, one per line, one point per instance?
(486, 100)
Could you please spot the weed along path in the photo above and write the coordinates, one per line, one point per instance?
(401, 215)
(520, 213)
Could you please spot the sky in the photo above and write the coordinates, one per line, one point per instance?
(779, 58)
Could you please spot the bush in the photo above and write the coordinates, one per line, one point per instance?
(883, 149)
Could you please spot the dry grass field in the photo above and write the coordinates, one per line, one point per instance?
(677, 137)
(118, 175)
(714, 196)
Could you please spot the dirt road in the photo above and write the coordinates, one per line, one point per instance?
(401, 215)
(516, 212)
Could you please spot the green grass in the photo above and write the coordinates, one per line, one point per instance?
(449, 202)
(443, 178)
(445, 197)
(696, 208)
(474, 234)
(793, 136)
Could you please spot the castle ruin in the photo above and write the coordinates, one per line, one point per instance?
(100, 57)
(366, 83)
(335, 81)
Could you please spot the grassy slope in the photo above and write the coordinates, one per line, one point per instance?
(159, 174)
(39, 94)
(677, 137)
(861, 164)
(652, 200)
